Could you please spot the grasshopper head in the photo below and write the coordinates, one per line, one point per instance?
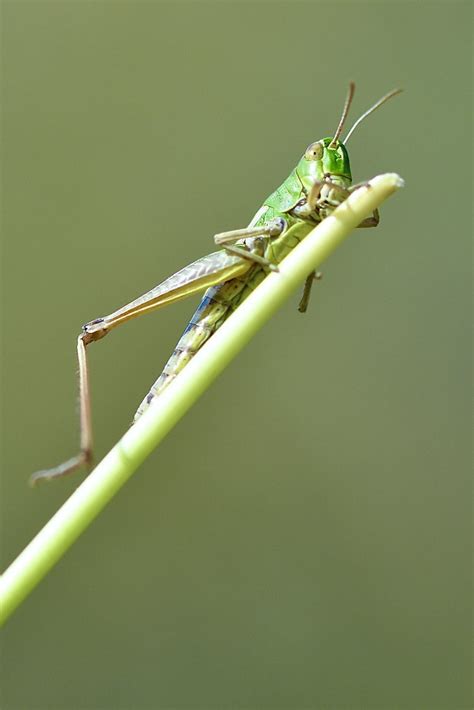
(328, 158)
(325, 158)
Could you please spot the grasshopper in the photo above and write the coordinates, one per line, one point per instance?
(315, 187)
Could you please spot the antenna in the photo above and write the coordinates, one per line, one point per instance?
(345, 111)
(381, 101)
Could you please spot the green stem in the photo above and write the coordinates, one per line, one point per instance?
(138, 442)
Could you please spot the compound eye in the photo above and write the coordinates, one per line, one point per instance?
(314, 152)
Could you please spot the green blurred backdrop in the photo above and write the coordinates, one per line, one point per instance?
(301, 539)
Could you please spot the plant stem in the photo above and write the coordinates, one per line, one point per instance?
(138, 442)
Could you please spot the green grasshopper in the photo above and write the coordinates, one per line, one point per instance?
(317, 185)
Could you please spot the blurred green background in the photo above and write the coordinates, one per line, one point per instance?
(301, 539)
